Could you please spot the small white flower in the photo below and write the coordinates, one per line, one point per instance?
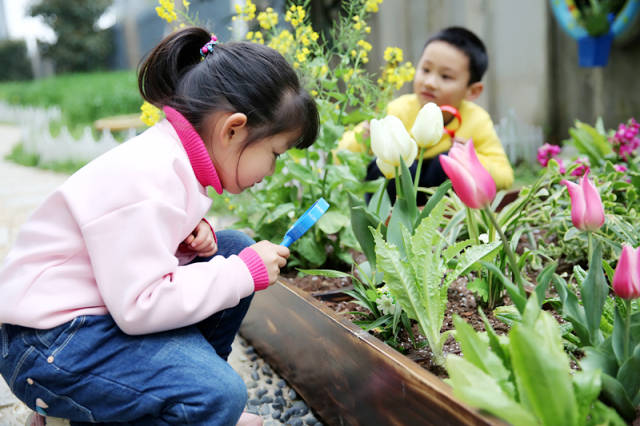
(390, 141)
(429, 125)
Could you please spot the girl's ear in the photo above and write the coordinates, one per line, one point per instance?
(234, 127)
(474, 90)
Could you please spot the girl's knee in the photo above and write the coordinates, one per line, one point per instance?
(232, 241)
(219, 401)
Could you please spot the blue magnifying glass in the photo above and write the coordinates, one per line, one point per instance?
(305, 222)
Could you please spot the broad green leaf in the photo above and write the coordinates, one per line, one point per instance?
(629, 376)
(434, 199)
(332, 221)
(480, 287)
(572, 310)
(594, 293)
(543, 280)
(309, 248)
(587, 385)
(476, 350)
(615, 394)
(478, 389)
(380, 204)
(542, 371)
(470, 257)
(397, 276)
(598, 359)
(280, 211)
(360, 224)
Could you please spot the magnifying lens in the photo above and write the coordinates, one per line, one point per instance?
(305, 222)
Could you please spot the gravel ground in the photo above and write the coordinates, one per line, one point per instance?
(270, 396)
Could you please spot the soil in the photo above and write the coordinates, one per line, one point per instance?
(461, 302)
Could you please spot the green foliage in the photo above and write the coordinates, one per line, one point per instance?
(82, 97)
(79, 45)
(525, 378)
(418, 275)
(14, 60)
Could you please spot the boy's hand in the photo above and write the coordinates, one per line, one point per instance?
(274, 257)
(201, 240)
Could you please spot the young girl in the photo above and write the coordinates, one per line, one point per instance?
(106, 317)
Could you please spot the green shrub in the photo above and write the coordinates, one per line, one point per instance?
(82, 97)
(15, 64)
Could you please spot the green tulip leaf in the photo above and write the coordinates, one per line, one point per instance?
(614, 393)
(594, 292)
(629, 376)
(332, 221)
(542, 371)
(478, 389)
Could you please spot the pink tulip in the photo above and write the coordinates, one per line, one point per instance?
(471, 181)
(587, 211)
(626, 279)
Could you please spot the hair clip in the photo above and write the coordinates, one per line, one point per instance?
(208, 47)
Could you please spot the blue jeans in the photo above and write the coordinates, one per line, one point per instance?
(89, 371)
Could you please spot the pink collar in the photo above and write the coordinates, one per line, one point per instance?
(196, 151)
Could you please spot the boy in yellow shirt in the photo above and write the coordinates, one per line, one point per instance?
(448, 73)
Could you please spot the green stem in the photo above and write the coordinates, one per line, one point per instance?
(507, 248)
(590, 251)
(627, 328)
(416, 180)
(398, 190)
(386, 182)
(472, 226)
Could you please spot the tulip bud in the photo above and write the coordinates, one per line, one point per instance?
(471, 181)
(390, 141)
(587, 211)
(626, 279)
(428, 127)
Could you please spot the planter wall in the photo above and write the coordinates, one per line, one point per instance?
(345, 374)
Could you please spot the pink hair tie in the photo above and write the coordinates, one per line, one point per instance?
(208, 47)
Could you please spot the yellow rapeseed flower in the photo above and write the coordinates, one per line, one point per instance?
(365, 45)
(357, 23)
(372, 5)
(314, 93)
(166, 10)
(347, 75)
(268, 19)
(150, 114)
(393, 55)
(246, 13)
(295, 15)
(186, 4)
(282, 42)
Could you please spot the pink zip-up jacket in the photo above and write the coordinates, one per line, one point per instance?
(106, 242)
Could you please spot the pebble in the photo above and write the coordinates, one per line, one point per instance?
(271, 397)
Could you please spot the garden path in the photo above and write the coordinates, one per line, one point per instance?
(22, 189)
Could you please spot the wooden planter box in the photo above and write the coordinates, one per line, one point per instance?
(346, 375)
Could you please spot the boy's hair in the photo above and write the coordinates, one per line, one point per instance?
(236, 77)
(470, 45)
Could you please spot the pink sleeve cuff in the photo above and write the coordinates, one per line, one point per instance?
(256, 268)
(212, 231)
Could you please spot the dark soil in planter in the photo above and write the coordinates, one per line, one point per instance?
(461, 302)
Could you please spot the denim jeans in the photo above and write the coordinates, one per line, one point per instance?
(89, 371)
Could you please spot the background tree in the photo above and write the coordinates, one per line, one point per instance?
(80, 44)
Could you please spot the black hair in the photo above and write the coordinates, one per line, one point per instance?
(470, 45)
(236, 77)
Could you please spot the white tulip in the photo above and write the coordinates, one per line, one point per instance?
(429, 125)
(390, 141)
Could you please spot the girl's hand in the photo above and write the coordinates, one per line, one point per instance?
(201, 240)
(274, 257)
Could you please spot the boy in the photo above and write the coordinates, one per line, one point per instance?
(448, 73)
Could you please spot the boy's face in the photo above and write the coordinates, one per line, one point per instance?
(442, 76)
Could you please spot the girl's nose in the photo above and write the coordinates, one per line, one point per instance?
(429, 81)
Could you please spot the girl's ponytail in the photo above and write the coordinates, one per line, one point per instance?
(160, 72)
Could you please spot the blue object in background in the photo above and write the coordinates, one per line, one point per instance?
(305, 222)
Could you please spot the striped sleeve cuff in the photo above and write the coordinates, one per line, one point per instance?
(256, 268)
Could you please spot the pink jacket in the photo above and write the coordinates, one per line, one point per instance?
(106, 240)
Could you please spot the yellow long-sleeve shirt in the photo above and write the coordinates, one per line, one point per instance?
(476, 125)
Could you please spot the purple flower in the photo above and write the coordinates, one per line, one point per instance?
(546, 152)
(583, 167)
(620, 168)
(625, 140)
